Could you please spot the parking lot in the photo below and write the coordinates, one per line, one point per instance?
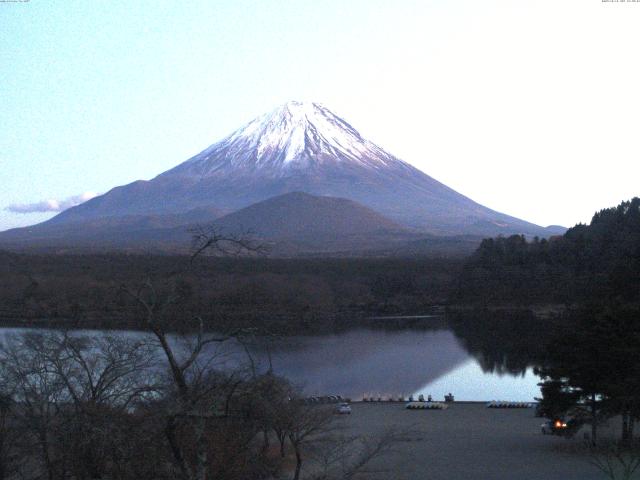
(468, 441)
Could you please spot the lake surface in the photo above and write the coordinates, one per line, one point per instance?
(370, 363)
(378, 363)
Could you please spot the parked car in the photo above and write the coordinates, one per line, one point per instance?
(343, 408)
(554, 427)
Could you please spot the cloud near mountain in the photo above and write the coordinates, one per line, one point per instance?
(51, 205)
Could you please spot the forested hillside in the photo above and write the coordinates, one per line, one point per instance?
(276, 294)
(599, 261)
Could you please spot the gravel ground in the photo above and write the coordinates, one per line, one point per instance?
(470, 441)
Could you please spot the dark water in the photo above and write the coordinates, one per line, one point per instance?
(375, 363)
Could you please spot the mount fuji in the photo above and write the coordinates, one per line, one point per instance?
(298, 147)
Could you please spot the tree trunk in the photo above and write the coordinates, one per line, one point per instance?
(296, 448)
(625, 426)
(594, 421)
(3, 457)
(178, 375)
(201, 449)
(170, 433)
(44, 445)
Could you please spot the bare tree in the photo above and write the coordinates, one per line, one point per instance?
(9, 435)
(73, 398)
(210, 240)
(618, 461)
(31, 383)
(342, 457)
(306, 422)
(191, 409)
(103, 370)
(103, 378)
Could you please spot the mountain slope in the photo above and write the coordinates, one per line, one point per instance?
(287, 225)
(300, 215)
(128, 231)
(302, 147)
(298, 223)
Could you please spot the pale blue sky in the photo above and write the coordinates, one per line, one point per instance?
(529, 107)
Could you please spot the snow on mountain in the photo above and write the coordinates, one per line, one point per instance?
(296, 135)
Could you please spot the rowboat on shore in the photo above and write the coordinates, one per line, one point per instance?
(426, 406)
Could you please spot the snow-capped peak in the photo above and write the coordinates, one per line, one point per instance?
(294, 136)
(290, 126)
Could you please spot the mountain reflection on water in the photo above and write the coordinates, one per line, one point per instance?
(367, 362)
(473, 360)
(468, 361)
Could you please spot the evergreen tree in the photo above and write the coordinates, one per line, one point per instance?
(592, 367)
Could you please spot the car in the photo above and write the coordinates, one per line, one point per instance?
(554, 427)
(344, 408)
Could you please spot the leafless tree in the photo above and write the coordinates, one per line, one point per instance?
(343, 457)
(208, 239)
(306, 423)
(618, 461)
(30, 381)
(72, 398)
(103, 378)
(191, 409)
(9, 436)
(103, 370)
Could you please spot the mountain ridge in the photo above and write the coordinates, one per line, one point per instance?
(289, 225)
(298, 147)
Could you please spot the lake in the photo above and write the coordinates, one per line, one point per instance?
(373, 363)
(378, 363)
